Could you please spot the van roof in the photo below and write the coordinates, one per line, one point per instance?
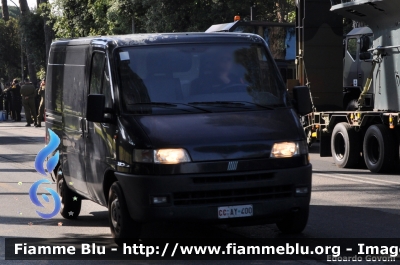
(158, 38)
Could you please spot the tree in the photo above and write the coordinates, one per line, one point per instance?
(13, 12)
(10, 49)
(5, 13)
(45, 9)
(25, 18)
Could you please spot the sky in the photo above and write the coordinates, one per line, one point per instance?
(31, 3)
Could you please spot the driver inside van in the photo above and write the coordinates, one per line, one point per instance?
(215, 75)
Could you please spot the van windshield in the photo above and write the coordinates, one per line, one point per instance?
(199, 77)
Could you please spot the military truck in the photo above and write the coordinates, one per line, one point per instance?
(280, 37)
(368, 132)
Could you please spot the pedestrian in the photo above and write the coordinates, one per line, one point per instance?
(1, 95)
(7, 100)
(16, 104)
(41, 93)
(28, 100)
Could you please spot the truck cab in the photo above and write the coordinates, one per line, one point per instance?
(357, 64)
(280, 37)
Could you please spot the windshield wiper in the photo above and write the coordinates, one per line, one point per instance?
(155, 103)
(166, 104)
(232, 103)
(261, 106)
(217, 103)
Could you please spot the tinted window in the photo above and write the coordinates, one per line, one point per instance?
(106, 87)
(96, 73)
(199, 73)
(100, 82)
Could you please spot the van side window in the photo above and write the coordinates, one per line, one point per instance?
(106, 89)
(352, 48)
(96, 73)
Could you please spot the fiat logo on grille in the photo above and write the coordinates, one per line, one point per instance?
(232, 165)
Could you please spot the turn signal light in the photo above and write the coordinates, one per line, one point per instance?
(236, 18)
(391, 125)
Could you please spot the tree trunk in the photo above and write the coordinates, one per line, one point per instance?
(6, 15)
(23, 4)
(48, 33)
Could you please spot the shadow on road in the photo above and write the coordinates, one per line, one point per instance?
(21, 140)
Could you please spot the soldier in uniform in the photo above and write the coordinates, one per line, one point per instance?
(28, 100)
(16, 103)
(41, 93)
(7, 100)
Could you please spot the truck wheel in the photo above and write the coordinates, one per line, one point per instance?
(380, 149)
(345, 145)
(121, 224)
(294, 223)
(70, 201)
(352, 105)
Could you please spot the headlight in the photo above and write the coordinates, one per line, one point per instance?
(289, 149)
(161, 156)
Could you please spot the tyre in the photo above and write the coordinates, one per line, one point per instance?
(70, 201)
(380, 149)
(122, 226)
(294, 223)
(345, 146)
(352, 105)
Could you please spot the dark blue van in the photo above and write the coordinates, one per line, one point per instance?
(177, 127)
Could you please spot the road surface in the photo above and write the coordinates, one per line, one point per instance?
(351, 203)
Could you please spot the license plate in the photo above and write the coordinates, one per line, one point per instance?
(235, 211)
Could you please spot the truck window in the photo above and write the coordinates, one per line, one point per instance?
(352, 48)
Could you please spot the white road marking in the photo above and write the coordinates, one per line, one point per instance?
(361, 180)
(378, 180)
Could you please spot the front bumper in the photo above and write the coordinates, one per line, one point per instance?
(196, 197)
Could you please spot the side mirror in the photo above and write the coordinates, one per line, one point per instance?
(302, 97)
(365, 43)
(365, 56)
(95, 108)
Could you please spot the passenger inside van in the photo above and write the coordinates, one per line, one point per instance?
(217, 74)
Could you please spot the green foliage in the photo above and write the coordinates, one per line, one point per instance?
(78, 18)
(10, 49)
(13, 10)
(33, 35)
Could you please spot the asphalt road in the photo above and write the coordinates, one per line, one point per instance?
(350, 203)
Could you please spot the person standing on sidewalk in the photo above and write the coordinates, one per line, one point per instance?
(41, 93)
(8, 101)
(28, 100)
(16, 103)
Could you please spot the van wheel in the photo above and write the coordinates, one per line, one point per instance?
(294, 223)
(380, 149)
(121, 224)
(345, 146)
(70, 201)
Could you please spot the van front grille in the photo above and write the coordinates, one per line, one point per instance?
(230, 178)
(232, 195)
